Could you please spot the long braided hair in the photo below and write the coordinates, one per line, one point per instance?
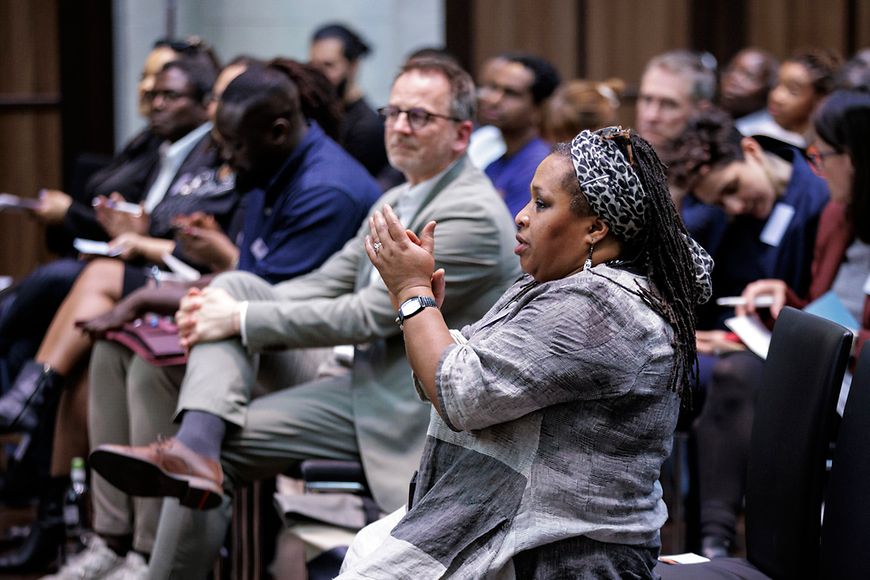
(669, 263)
(661, 251)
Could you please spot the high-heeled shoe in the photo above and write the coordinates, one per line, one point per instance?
(36, 386)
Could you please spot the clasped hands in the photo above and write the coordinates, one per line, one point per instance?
(405, 261)
(206, 315)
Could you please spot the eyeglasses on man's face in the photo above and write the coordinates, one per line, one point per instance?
(417, 117)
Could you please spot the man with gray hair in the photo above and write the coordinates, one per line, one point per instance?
(371, 413)
(675, 85)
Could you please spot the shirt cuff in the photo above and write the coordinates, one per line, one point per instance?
(243, 314)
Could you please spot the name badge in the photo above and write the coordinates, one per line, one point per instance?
(259, 249)
(777, 224)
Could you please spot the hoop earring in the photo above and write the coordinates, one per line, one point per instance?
(587, 265)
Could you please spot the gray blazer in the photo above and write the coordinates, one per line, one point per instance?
(337, 305)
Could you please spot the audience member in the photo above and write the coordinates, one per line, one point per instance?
(841, 264)
(578, 105)
(675, 86)
(69, 216)
(561, 402)
(337, 50)
(513, 90)
(805, 78)
(770, 193)
(746, 81)
(744, 88)
(368, 414)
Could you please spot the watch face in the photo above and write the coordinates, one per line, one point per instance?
(409, 306)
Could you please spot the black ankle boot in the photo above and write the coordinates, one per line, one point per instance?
(36, 386)
(42, 547)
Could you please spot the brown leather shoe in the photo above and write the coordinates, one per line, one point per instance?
(164, 468)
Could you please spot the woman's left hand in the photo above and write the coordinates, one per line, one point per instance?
(406, 263)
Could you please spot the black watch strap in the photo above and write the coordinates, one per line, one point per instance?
(412, 307)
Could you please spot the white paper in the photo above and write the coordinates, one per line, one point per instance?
(867, 285)
(752, 332)
(687, 558)
(9, 201)
(777, 224)
(5, 282)
(95, 248)
(184, 272)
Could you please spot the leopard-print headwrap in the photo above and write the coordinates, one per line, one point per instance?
(616, 195)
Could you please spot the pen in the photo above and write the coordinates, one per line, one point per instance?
(760, 302)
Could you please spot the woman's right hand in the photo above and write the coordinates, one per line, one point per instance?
(774, 288)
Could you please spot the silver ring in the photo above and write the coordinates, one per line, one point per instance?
(377, 247)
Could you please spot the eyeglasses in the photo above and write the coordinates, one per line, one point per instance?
(817, 158)
(417, 117)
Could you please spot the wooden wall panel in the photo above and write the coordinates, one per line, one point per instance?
(784, 26)
(30, 138)
(547, 28)
(621, 35)
(861, 25)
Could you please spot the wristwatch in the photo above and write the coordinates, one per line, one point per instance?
(413, 307)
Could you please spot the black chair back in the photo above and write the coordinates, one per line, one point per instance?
(846, 528)
(794, 419)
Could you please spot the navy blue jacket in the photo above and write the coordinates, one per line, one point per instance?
(311, 207)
